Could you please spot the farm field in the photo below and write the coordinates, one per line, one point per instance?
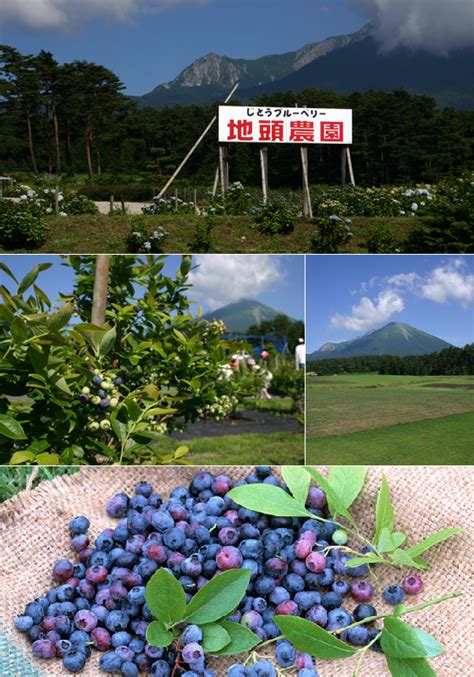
(396, 419)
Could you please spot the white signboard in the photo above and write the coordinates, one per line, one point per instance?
(255, 124)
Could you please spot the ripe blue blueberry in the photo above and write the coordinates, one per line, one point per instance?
(74, 661)
(262, 668)
(358, 635)
(285, 653)
(394, 594)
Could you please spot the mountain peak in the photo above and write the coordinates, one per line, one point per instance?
(394, 338)
(239, 315)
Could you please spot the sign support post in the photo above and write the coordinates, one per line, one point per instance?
(307, 207)
(224, 166)
(346, 164)
(264, 169)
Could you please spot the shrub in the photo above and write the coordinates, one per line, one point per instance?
(20, 227)
(75, 205)
(277, 217)
(202, 238)
(332, 233)
(145, 239)
(381, 241)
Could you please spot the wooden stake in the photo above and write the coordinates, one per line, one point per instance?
(216, 182)
(349, 163)
(264, 169)
(122, 202)
(101, 280)
(307, 208)
(112, 202)
(56, 200)
(224, 167)
(343, 165)
(176, 200)
(180, 167)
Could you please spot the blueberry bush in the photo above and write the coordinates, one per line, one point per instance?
(73, 392)
(221, 569)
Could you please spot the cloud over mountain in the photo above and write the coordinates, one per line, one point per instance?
(436, 26)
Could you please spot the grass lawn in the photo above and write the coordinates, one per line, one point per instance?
(389, 419)
(442, 441)
(16, 479)
(250, 449)
(102, 233)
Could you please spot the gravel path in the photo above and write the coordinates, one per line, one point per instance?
(131, 207)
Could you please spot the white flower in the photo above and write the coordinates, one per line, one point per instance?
(147, 245)
(49, 210)
(62, 214)
(414, 206)
(402, 212)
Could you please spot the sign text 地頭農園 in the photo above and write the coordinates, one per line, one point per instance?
(260, 124)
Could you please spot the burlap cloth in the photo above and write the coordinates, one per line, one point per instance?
(33, 528)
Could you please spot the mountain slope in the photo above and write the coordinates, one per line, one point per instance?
(360, 66)
(239, 316)
(395, 338)
(212, 76)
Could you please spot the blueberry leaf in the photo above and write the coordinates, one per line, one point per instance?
(310, 638)
(366, 559)
(432, 540)
(214, 637)
(338, 506)
(347, 482)
(298, 482)
(269, 500)
(9, 427)
(402, 558)
(401, 640)
(219, 597)
(384, 518)
(405, 667)
(165, 597)
(241, 639)
(158, 635)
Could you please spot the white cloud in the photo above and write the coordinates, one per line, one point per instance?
(368, 314)
(436, 26)
(403, 280)
(66, 15)
(225, 278)
(449, 283)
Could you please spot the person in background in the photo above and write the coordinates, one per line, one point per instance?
(300, 354)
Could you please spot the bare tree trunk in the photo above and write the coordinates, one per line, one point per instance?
(56, 138)
(68, 146)
(101, 279)
(89, 151)
(30, 143)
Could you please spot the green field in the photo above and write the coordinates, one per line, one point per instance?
(250, 449)
(368, 418)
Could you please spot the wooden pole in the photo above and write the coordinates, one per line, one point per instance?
(180, 167)
(349, 164)
(99, 299)
(176, 200)
(56, 200)
(343, 164)
(216, 182)
(224, 166)
(112, 202)
(264, 169)
(307, 207)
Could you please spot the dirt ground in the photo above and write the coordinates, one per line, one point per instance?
(246, 422)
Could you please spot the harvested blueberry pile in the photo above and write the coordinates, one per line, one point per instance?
(298, 568)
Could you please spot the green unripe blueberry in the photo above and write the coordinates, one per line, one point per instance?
(93, 426)
(113, 402)
(339, 537)
(95, 399)
(96, 372)
(105, 424)
(106, 385)
(86, 390)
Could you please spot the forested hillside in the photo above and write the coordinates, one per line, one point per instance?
(74, 118)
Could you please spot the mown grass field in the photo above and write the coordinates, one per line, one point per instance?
(368, 418)
(236, 234)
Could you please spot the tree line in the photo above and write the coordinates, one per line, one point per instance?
(450, 361)
(75, 118)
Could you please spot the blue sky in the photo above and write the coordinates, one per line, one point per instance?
(145, 50)
(220, 279)
(350, 295)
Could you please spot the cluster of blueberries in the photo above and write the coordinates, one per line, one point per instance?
(198, 532)
(104, 394)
